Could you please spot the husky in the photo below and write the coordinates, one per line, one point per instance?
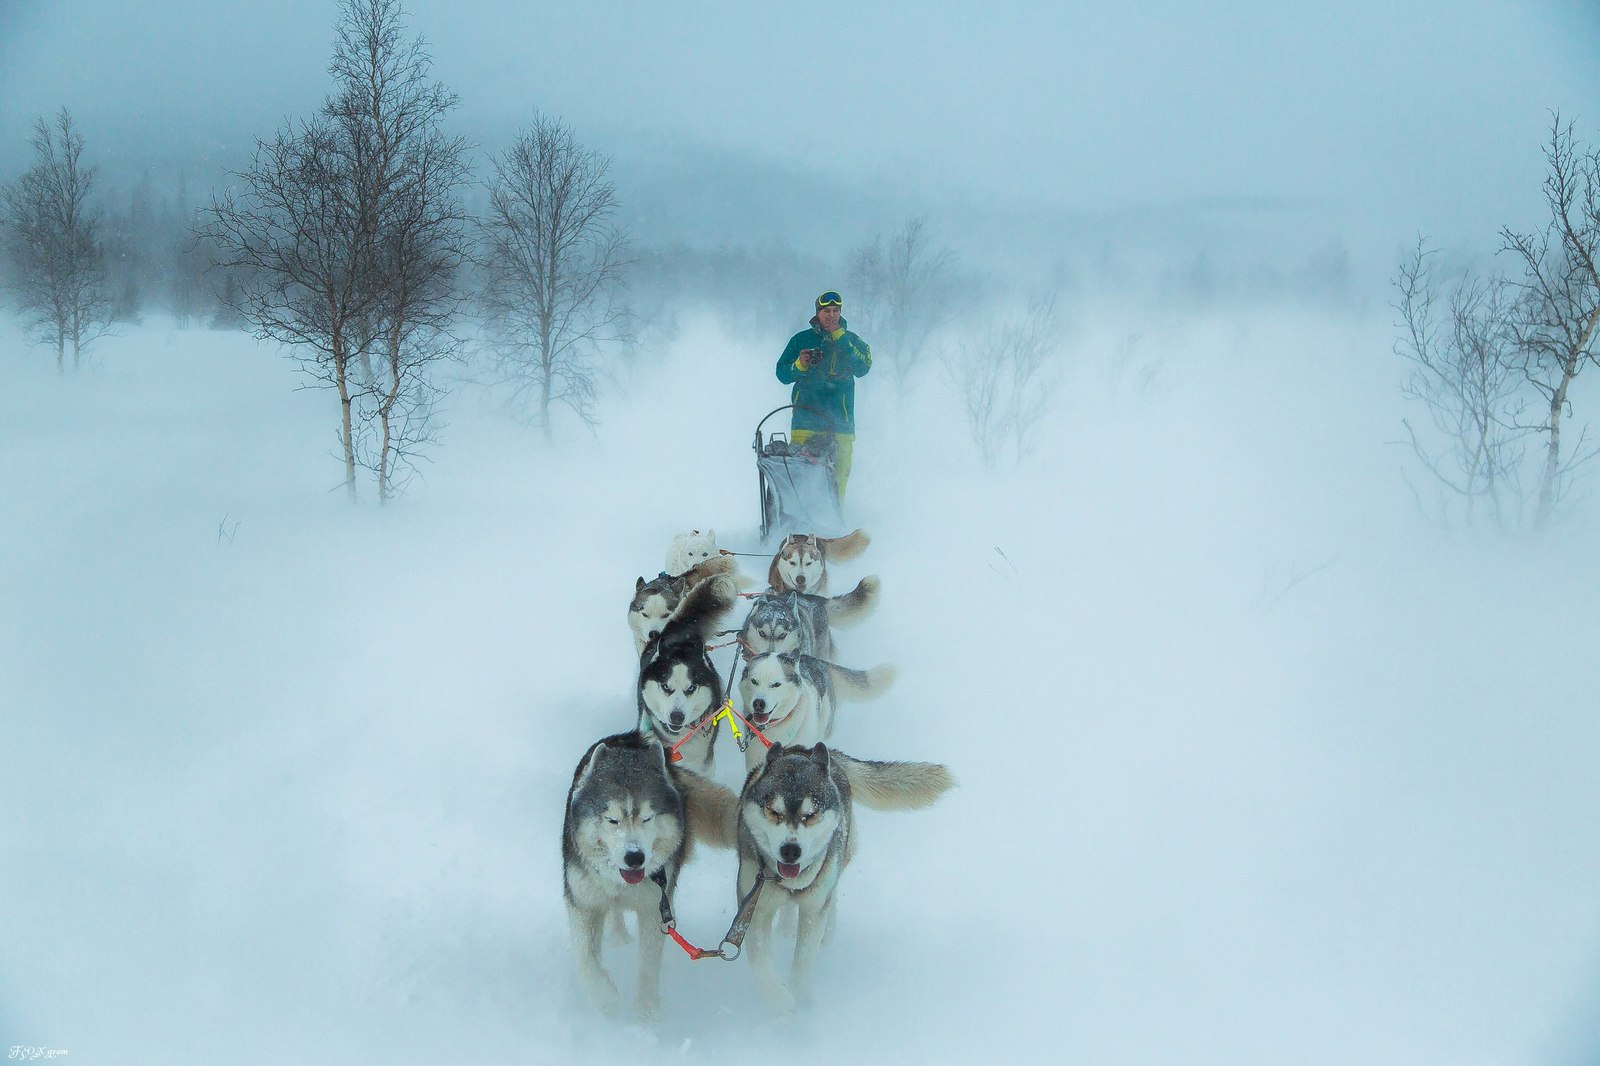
(797, 621)
(691, 549)
(630, 822)
(677, 683)
(792, 698)
(786, 622)
(655, 600)
(796, 835)
(801, 561)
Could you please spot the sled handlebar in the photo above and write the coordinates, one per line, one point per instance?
(785, 407)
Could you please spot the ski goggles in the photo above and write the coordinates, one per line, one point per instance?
(829, 299)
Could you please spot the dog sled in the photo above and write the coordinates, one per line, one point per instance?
(799, 489)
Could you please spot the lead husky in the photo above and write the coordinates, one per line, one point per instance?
(792, 698)
(801, 561)
(796, 621)
(631, 818)
(796, 833)
(655, 600)
(677, 683)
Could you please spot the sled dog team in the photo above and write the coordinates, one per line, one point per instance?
(642, 798)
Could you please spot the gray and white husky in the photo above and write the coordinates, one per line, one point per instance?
(792, 698)
(798, 621)
(796, 833)
(677, 683)
(801, 561)
(655, 600)
(630, 822)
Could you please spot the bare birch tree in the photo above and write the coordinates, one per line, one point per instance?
(1005, 378)
(553, 264)
(1464, 373)
(52, 238)
(902, 289)
(293, 235)
(1559, 304)
(392, 114)
(346, 237)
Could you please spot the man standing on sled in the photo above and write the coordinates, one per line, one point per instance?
(822, 363)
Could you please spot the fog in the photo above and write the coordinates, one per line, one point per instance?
(1257, 763)
(1369, 121)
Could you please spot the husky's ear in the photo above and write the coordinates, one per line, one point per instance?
(656, 752)
(647, 655)
(638, 586)
(774, 753)
(586, 767)
(819, 755)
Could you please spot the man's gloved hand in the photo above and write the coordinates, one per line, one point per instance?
(803, 361)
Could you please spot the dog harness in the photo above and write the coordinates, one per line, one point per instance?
(734, 939)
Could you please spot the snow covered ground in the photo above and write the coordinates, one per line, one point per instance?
(1257, 765)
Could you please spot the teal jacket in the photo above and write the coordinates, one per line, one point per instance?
(824, 394)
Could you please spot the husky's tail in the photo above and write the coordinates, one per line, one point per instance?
(855, 604)
(712, 809)
(895, 786)
(862, 684)
(840, 549)
(702, 607)
(716, 566)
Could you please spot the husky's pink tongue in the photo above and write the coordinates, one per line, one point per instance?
(633, 877)
(788, 869)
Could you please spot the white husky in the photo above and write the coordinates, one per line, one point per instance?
(690, 549)
(791, 698)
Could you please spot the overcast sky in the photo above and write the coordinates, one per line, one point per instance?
(1420, 114)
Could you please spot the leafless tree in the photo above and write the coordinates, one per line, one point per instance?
(1005, 377)
(903, 289)
(1464, 374)
(294, 236)
(346, 235)
(1559, 301)
(391, 114)
(52, 238)
(553, 265)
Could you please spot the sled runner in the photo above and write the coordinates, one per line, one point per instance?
(798, 487)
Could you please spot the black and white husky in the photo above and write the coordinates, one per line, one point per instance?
(796, 833)
(677, 683)
(797, 621)
(801, 561)
(630, 821)
(792, 698)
